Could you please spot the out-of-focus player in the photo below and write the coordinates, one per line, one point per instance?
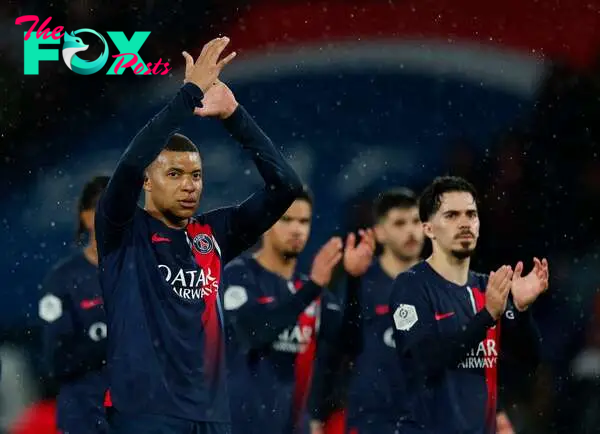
(274, 315)
(454, 326)
(74, 332)
(161, 266)
(375, 391)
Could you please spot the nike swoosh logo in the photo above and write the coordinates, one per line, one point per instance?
(88, 304)
(158, 239)
(440, 316)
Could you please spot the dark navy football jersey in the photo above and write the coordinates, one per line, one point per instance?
(272, 327)
(376, 387)
(450, 348)
(74, 339)
(161, 285)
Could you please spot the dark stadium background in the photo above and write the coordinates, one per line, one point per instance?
(362, 95)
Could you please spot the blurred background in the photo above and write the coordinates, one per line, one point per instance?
(362, 96)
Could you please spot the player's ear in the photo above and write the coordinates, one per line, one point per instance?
(87, 219)
(428, 230)
(147, 182)
(379, 234)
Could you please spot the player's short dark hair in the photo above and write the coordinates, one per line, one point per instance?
(180, 143)
(400, 197)
(431, 198)
(306, 195)
(88, 199)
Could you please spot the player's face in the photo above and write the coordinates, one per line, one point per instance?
(174, 183)
(455, 226)
(289, 235)
(401, 231)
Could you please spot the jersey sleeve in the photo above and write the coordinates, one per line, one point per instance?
(118, 202)
(256, 320)
(420, 345)
(241, 226)
(67, 351)
(520, 339)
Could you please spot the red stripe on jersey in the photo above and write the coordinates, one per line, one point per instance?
(491, 372)
(304, 360)
(336, 423)
(107, 399)
(382, 309)
(208, 259)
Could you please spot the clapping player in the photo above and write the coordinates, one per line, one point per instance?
(453, 327)
(274, 314)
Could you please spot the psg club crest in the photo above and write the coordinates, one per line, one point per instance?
(203, 243)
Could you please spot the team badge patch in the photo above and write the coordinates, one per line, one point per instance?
(405, 317)
(235, 297)
(203, 243)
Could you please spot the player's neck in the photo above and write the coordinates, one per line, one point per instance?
(180, 224)
(276, 263)
(91, 253)
(450, 268)
(392, 265)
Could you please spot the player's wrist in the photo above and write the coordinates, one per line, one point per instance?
(493, 313)
(230, 110)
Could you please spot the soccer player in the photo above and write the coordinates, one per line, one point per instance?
(375, 384)
(453, 326)
(274, 314)
(74, 331)
(161, 265)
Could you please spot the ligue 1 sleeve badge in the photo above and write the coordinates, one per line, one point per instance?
(203, 243)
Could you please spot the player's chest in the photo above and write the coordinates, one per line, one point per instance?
(378, 327)
(454, 307)
(188, 263)
(299, 337)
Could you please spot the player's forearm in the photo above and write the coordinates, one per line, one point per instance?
(259, 325)
(521, 340)
(433, 354)
(272, 166)
(120, 197)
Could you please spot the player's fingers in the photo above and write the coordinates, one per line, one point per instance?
(350, 240)
(216, 50)
(201, 111)
(333, 247)
(501, 274)
(369, 238)
(505, 279)
(207, 47)
(189, 60)
(545, 267)
(518, 270)
(334, 260)
(224, 62)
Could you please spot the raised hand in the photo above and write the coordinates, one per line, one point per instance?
(525, 290)
(325, 261)
(358, 257)
(218, 101)
(206, 69)
(496, 293)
